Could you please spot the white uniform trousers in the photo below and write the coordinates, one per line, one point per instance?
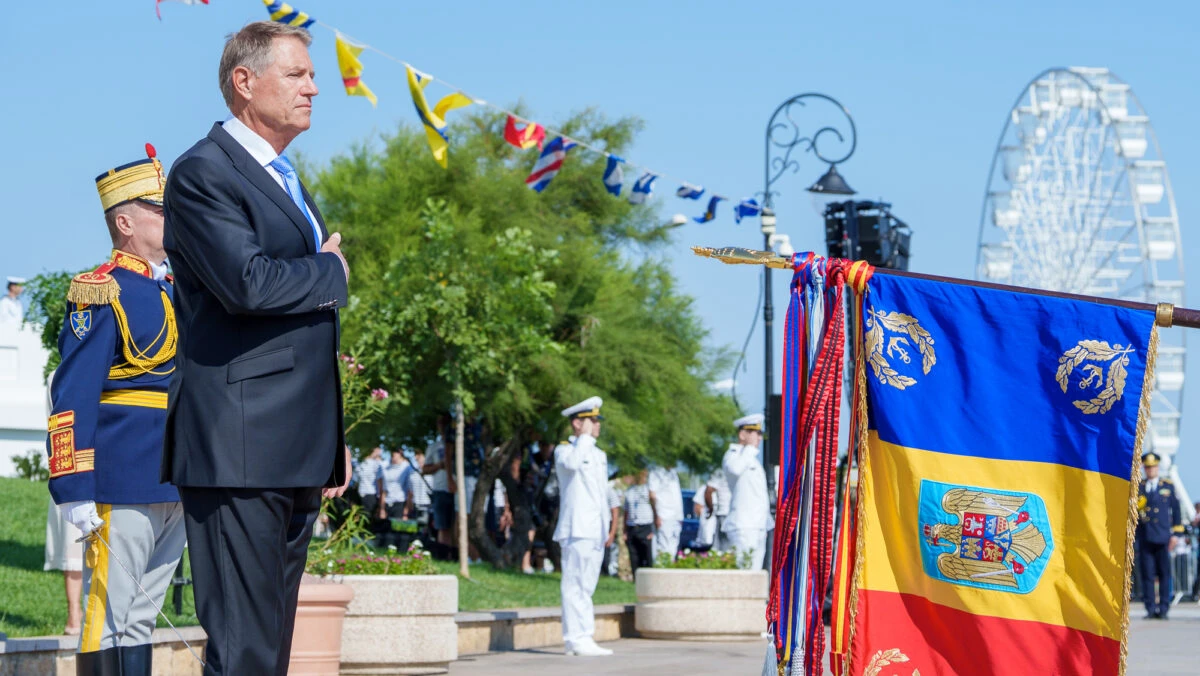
(753, 541)
(581, 559)
(149, 540)
(666, 539)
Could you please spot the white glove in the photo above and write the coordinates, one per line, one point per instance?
(81, 514)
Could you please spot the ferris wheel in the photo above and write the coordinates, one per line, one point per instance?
(1079, 200)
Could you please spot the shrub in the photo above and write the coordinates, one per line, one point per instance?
(709, 560)
(32, 465)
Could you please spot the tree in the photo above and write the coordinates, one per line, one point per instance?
(609, 321)
(472, 312)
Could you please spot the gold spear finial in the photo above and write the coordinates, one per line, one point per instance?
(738, 256)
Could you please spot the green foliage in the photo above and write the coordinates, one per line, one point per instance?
(47, 294)
(462, 312)
(704, 560)
(32, 465)
(349, 539)
(360, 402)
(465, 282)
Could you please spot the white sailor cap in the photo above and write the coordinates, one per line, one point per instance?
(16, 280)
(589, 408)
(752, 422)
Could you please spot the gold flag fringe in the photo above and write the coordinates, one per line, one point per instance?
(1131, 520)
(860, 383)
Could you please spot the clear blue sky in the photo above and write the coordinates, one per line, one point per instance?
(929, 85)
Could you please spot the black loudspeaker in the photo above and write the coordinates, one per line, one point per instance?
(867, 231)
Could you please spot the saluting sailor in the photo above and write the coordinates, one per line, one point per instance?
(745, 526)
(106, 426)
(583, 523)
(1159, 523)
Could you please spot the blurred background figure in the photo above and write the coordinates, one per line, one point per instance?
(11, 309)
(639, 522)
(63, 550)
(667, 498)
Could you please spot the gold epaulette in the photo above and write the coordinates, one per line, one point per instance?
(97, 287)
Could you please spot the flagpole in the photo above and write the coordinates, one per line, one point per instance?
(1166, 314)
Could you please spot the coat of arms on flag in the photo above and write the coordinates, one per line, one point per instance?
(984, 538)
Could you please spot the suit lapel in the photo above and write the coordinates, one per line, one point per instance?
(258, 176)
(312, 206)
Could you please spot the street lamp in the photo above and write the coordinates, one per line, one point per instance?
(784, 136)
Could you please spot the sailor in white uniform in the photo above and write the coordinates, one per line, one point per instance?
(749, 509)
(583, 523)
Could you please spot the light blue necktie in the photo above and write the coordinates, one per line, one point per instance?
(291, 183)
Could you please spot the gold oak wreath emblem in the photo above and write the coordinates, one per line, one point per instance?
(911, 333)
(883, 658)
(1117, 358)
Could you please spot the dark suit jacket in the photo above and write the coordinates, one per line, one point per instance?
(256, 397)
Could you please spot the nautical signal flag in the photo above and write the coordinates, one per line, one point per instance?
(285, 13)
(549, 163)
(434, 120)
(746, 209)
(711, 212)
(998, 531)
(158, 12)
(689, 191)
(352, 68)
(532, 134)
(613, 176)
(642, 188)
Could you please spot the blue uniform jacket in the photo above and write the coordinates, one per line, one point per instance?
(109, 394)
(1159, 513)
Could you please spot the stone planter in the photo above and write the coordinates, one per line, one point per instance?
(317, 639)
(400, 624)
(701, 605)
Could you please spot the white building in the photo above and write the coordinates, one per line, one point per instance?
(22, 393)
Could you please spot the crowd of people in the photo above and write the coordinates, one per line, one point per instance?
(409, 494)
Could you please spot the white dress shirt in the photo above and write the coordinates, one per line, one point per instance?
(750, 508)
(668, 496)
(261, 151)
(582, 470)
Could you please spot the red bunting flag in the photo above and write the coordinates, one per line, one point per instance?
(532, 134)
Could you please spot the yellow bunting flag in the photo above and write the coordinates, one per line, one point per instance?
(351, 67)
(434, 120)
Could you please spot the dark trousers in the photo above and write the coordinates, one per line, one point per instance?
(248, 547)
(1154, 560)
(639, 539)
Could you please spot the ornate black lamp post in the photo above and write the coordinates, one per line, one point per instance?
(784, 135)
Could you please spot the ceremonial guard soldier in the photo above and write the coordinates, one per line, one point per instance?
(1158, 526)
(583, 524)
(749, 509)
(109, 401)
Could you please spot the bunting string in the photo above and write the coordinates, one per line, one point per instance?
(434, 122)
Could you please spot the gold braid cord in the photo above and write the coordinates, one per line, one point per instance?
(137, 361)
(1143, 421)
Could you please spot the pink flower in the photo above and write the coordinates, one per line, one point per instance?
(379, 394)
(358, 368)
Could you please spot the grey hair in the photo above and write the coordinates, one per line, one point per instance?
(251, 48)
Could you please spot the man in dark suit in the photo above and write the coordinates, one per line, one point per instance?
(254, 419)
(1158, 525)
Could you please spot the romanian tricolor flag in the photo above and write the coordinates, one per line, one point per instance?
(434, 120)
(996, 509)
(352, 68)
